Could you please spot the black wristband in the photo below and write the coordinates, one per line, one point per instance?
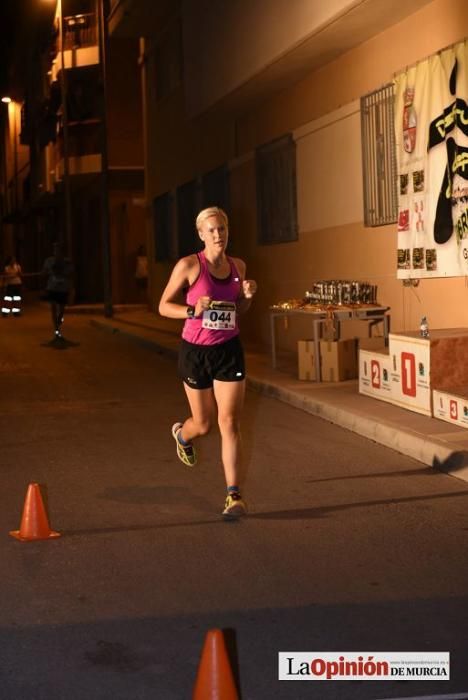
(190, 311)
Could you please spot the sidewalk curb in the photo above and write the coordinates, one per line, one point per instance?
(430, 451)
(149, 343)
(93, 309)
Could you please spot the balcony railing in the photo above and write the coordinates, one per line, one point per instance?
(79, 31)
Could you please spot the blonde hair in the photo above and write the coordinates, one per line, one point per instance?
(211, 211)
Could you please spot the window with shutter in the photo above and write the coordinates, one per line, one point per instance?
(379, 167)
(276, 191)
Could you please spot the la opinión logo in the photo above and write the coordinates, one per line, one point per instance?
(327, 666)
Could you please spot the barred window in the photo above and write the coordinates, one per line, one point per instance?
(163, 228)
(215, 189)
(276, 191)
(379, 168)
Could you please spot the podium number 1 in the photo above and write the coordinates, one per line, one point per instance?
(408, 374)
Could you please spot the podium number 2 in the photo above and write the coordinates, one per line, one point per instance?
(408, 374)
(375, 372)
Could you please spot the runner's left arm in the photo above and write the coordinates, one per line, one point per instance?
(248, 288)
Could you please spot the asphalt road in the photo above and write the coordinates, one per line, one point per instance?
(349, 546)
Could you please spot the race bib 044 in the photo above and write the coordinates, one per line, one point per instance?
(220, 316)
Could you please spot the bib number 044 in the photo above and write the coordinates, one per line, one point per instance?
(220, 317)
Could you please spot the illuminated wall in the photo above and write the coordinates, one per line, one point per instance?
(321, 111)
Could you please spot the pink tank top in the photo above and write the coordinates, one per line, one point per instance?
(227, 289)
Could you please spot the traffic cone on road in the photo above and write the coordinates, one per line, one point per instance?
(214, 678)
(34, 523)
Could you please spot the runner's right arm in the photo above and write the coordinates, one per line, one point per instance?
(172, 303)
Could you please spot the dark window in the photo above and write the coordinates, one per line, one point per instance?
(27, 188)
(379, 169)
(215, 189)
(83, 93)
(163, 230)
(276, 191)
(187, 210)
(168, 61)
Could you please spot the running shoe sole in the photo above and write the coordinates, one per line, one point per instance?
(187, 456)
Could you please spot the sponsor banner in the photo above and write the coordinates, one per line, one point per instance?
(431, 132)
(363, 665)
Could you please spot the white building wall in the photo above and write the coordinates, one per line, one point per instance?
(329, 170)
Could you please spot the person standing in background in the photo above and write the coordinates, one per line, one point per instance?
(12, 297)
(59, 271)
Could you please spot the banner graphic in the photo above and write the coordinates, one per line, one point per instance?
(431, 133)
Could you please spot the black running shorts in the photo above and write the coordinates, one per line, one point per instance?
(13, 290)
(199, 365)
(57, 297)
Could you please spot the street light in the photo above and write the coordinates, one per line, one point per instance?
(66, 166)
(13, 113)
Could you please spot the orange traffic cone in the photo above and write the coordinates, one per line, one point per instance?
(34, 523)
(214, 678)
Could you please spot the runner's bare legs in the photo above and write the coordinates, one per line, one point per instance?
(203, 408)
(228, 399)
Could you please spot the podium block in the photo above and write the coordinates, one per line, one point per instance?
(424, 373)
(451, 405)
(375, 374)
(411, 372)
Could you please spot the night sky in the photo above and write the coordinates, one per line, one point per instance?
(19, 21)
(8, 28)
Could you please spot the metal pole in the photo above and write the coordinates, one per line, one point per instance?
(104, 178)
(67, 240)
(16, 236)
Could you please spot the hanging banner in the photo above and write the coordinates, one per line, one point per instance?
(431, 132)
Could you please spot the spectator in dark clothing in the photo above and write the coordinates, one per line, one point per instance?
(59, 271)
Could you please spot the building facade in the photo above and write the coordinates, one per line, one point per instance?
(264, 98)
(78, 155)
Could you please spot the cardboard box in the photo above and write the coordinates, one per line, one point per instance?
(306, 360)
(338, 360)
(375, 374)
(376, 343)
(451, 405)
